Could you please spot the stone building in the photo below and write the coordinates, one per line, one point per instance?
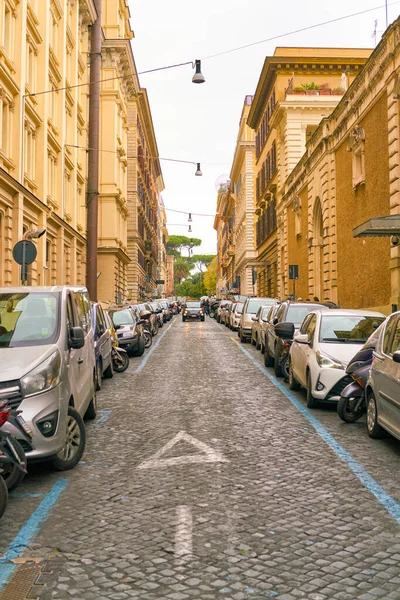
(349, 173)
(43, 48)
(223, 224)
(297, 88)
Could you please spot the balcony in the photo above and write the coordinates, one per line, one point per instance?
(231, 250)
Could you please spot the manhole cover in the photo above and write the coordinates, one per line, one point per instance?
(21, 582)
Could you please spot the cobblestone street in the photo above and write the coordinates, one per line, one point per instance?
(202, 480)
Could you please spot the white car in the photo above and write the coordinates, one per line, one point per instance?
(235, 316)
(325, 343)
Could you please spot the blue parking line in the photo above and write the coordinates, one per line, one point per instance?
(389, 503)
(150, 352)
(28, 531)
(104, 416)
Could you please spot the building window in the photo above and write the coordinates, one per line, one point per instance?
(31, 62)
(30, 151)
(52, 176)
(7, 30)
(356, 145)
(5, 137)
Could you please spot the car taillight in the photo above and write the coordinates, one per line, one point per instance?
(4, 416)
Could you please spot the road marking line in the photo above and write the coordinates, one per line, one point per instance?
(208, 454)
(183, 535)
(389, 503)
(105, 414)
(150, 352)
(29, 530)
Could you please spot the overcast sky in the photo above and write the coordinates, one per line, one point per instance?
(200, 122)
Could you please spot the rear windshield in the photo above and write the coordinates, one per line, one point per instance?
(342, 328)
(192, 304)
(28, 319)
(254, 305)
(239, 308)
(296, 313)
(122, 317)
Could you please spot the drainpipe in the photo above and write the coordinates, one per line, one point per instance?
(92, 194)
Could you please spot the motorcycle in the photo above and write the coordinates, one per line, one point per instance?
(120, 358)
(12, 456)
(352, 403)
(145, 321)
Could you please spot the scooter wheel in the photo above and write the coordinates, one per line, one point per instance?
(121, 363)
(3, 496)
(346, 412)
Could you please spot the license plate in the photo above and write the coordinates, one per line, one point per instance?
(24, 426)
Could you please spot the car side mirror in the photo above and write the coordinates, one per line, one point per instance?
(275, 321)
(76, 338)
(254, 318)
(264, 319)
(285, 330)
(396, 357)
(117, 327)
(302, 338)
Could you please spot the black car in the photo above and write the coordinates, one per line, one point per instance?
(129, 330)
(193, 311)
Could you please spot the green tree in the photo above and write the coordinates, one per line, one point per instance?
(210, 278)
(176, 243)
(202, 261)
(182, 268)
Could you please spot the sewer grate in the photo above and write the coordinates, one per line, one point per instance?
(21, 582)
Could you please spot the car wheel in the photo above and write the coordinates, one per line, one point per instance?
(155, 330)
(293, 384)
(183, 320)
(277, 365)
(99, 372)
(268, 360)
(91, 411)
(109, 373)
(373, 428)
(258, 343)
(75, 441)
(203, 319)
(11, 474)
(242, 337)
(253, 341)
(311, 401)
(140, 349)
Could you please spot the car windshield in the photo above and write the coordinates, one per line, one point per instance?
(122, 317)
(193, 304)
(348, 328)
(239, 308)
(254, 305)
(28, 319)
(296, 313)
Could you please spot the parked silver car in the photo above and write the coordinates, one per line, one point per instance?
(48, 368)
(258, 321)
(383, 387)
(250, 309)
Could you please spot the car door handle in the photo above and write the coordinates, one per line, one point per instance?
(80, 361)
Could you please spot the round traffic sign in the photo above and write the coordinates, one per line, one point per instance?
(24, 247)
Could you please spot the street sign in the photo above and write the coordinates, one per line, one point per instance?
(24, 252)
(293, 271)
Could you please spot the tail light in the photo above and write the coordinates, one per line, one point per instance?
(4, 416)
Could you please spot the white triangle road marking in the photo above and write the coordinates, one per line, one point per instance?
(208, 455)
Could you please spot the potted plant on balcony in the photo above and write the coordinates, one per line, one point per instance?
(298, 90)
(324, 89)
(311, 89)
(338, 91)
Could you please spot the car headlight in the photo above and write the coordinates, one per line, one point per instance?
(325, 361)
(45, 377)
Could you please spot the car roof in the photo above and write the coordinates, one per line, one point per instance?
(349, 312)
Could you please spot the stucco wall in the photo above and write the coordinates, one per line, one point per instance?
(297, 251)
(363, 264)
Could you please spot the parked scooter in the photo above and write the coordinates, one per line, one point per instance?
(145, 321)
(352, 403)
(12, 456)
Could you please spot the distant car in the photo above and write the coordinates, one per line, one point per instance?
(383, 387)
(157, 309)
(250, 309)
(193, 311)
(220, 308)
(129, 331)
(235, 316)
(224, 311)
(321, 350)
(167, 312)
(257, 325)
(102, 344)
(228, 313)
(152, 318)
(265, 321)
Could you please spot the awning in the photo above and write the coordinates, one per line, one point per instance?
(379, 227)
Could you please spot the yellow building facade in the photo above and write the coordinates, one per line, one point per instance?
(349, 173)
(297, 88)
(43, 48)
(44, 58)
